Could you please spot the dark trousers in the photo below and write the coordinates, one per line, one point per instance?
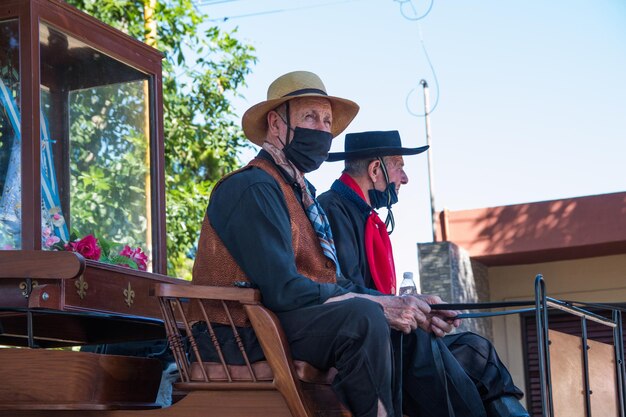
(418, 374)
(352, 336)
(481, 363)
(452, 376)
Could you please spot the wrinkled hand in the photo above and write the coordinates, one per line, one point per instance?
(405, 313)
(440, 321)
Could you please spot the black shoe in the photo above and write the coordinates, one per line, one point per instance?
(506, 406)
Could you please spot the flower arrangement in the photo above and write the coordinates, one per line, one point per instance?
(48, 238)
(98, 249)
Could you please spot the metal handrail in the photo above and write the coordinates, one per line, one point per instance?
(542, 304)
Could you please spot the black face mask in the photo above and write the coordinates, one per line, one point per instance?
(308, 148)
(385, 198)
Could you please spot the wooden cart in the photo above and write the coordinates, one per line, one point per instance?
(81, 145)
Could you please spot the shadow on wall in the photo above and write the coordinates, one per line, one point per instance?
(540, 232)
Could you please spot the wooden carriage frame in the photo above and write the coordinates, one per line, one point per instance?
(76, 298)
(278, 386)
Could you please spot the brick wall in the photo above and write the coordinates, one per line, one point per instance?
(448, 271)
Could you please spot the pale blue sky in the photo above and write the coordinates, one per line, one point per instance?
(532, 94)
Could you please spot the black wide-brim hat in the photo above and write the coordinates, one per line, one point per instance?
(365, 145)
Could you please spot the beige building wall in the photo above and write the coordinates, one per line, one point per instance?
(600, 279)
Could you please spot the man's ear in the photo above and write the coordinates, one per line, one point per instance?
(373, 169)
(273, 120)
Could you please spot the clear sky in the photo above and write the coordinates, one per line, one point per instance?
(531, 97)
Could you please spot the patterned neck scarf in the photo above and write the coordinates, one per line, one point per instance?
(313, 210)
(377, 244)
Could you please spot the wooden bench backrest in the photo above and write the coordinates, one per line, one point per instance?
(222, 376)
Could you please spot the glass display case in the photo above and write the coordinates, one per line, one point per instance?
(81, 147)
(82, 209)
(81, 170)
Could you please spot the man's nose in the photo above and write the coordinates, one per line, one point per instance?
(405, 178)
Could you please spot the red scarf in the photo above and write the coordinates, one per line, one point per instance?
(377, 246)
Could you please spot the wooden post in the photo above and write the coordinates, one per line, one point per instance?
(150, 26)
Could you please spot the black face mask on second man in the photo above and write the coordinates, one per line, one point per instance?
(387, 198)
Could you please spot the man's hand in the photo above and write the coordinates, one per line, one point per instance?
(404, 313)
(407, 313)
(441, 321)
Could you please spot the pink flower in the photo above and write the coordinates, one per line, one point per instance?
(87, 246)
(126, 251)
(51, 240)
(136, 255)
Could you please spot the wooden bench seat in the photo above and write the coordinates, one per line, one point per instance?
(262, 372)
(304, 390)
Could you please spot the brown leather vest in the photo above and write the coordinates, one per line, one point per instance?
(215, 266)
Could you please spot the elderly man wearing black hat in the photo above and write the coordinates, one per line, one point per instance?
(264, 226)
(474, 381)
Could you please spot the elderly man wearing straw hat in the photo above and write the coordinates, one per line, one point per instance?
(263, 225)
(475, 379)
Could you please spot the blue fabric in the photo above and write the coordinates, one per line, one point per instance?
(11, 198)
(49, 186)
(51, 215)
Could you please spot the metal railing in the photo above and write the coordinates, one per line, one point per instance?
(540, 307)
(542, 304)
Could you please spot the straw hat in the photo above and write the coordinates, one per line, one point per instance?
(365, 145)
(287, 87)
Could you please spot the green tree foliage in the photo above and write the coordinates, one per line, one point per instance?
(107, 162)
(202, 70)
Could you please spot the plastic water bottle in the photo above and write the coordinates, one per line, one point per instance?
(407, 286)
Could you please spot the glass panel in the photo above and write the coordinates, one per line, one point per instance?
(10, 178)
(97, 172)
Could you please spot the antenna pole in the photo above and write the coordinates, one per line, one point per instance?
(431, 179)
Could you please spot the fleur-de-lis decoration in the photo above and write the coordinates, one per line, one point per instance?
(82, 287)
(24, 288)
(129, 295)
